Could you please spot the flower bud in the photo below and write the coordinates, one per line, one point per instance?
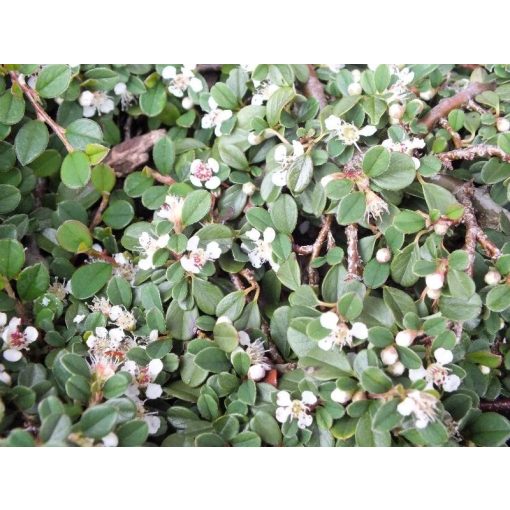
(440, 228)
(492, 277)
(249, 188)
(427, 95)
(356, 74)
(120, 88)
(354, 89)
(485, 370)
(383, 255)
(503, 124)
(435, 281)
(433, 294)
(86, 98)
(254, 139)
(341, 396)
(359, 395)
(396, 111)
(256, 372)
(396, 369)
(187, 103)
(389, 355)
(405, 338)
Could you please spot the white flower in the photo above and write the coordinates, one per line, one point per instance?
(257, 353)
(400, 88)
(143, 377)
(279, 178)
(126, 97)
(435, 281)
(216, 117)
(260, 249)
(123, 267)
(443, 356)
(420, 404)
(383, 255)
(347, 133)
(171, 210)
(150, 246)
(123, 318)
(406, 146)
(340, 334)
(341, 396)
(263, 91)
(78, 318)
(289, 409)
(179, 82)
(14, 339)
(436, 374)
(4, 376)
(202, 173)
(197, 257)
(396, 111)
(95, 102)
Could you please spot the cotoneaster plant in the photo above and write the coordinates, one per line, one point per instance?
(254, 255)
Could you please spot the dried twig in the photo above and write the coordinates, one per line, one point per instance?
(236, 281)
(313, 275)
(470, 153)
(205, 68)
(502, 405)
(472, 227)
(456, 139)
(353, 259)
(448, 104)
(249, 276)
(163, 179)
(489, 213)
(33, 97)
(314, 87)
(125, 157)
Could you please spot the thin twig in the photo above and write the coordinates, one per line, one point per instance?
(34, 99)
(249, 276)
(314, 87)
(98, 216)
(456, 139)
(472, 227)
(470, 153)
(500, 405)
(313, 275)
(236, 282)
(353, 258)
(163, 179)
(445, 106)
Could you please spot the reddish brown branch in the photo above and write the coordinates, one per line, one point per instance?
(125, 157)
(236, 281)
(472, 227)
(98, 216)
(445, 106)
(206, 68)
(163, 179)
(353, 259)
(314, 87)
(501, 405)
(313, 275)
(34, 99)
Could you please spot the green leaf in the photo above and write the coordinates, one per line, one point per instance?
(12, 108)
(284, 214)
(225, 98)
(490, 429)
(10, 197)
(402, 266)
(233, 156)
(103, 178)
(74, 236)
(351, 208)
(32, 282)
(31, 140)
(289, 273)
(119, 214)
(376, 161)
(267, 428)
(132, 433)
(153, 101)
(374, 380)
(12, 257)
(498, 298)
(409, 222)
(277, 103)
(438, 198)
(212, 359)
(83, 132)
(53, 80)
(400, 174)
(387, 417)
(75, 172)
(350, 306)
(98, 421)
(55, 428)
(196, 205)
(300, 174)
(164, 155)
(225, 336)
(89, 279)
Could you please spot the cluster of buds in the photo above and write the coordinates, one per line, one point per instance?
(406, 337)
(434, 282)
(345, 396)
(389, 356)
